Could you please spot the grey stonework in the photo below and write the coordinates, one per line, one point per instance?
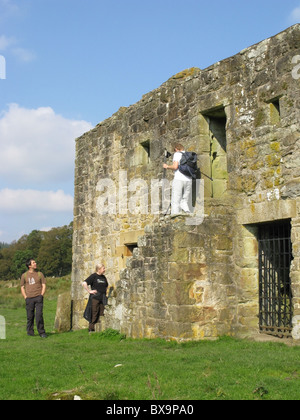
(175, 280)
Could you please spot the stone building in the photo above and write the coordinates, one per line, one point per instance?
(236, 269)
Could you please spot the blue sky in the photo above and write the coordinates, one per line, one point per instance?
(71, 64)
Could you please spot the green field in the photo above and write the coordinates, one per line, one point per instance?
(108, 366)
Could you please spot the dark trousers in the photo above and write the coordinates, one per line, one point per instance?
(97, 311)
(34, 307)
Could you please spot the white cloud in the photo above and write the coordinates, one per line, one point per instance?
(25, 201)
(37, 145)
(10, 44)
(295, 15)
(46, 229)
(24, 55)
(8, 8)
(6, 42)
(37, 151)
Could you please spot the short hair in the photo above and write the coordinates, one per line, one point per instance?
(178, 146)
(28, 262)
(98, 266)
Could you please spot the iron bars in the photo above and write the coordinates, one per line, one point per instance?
(275, 292)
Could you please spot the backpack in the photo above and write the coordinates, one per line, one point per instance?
(188, 164)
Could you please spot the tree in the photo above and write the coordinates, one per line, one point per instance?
(6, 257)
(18, 262)
(55, 255)
(52, 250)
(34, 240)
(5, 267)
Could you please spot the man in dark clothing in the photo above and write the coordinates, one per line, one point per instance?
(98, 286)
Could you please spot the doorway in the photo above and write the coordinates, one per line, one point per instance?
(275, 291)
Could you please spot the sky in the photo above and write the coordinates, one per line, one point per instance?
(66, 65)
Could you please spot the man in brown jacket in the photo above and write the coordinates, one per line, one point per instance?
(33, 288)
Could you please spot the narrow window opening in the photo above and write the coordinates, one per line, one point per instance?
(218, 150)
(129, 248)
(275, 112)
(146, 151)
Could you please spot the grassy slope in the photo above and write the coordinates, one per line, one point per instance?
(32, 368)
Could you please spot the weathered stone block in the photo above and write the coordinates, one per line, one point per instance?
(63, 313)
(186, 272)
(178, 293)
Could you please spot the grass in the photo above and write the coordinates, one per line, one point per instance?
(107, 366)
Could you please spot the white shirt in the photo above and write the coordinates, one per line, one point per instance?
(178, 175)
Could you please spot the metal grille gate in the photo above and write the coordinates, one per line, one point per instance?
(275, 293)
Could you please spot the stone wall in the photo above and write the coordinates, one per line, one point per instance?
(179, 283)
(173, 279)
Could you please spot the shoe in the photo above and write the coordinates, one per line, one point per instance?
(30, 334)
(43, 336)
(174, 215)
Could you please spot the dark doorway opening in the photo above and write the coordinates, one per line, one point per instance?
(275, 291)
